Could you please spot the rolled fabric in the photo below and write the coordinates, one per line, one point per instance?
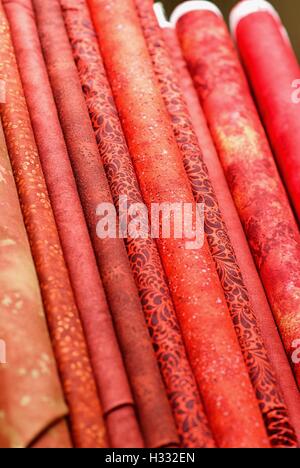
(245, 260)
(197, 294)
(249, 166)
(144, 259)
(58, 437)
(274, 91)
(104, 350)
(31, 399)
(262, 374)
(154, 410)
(63, 321)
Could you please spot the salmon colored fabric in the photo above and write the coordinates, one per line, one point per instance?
(249, 166)
(198, 297)
(144, 259)
(154, 410)
(274, 91)
(260, 370)
(57, 437)
(252, 281)
(64, 324)
(104, 350)
(30, 394)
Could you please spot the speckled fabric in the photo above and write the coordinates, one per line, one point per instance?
(94, 312)
(249, 166)
(64, 324)
(197, 294)
(153, 407)
(255, 354)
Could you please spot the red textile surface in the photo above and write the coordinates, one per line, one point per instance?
(249, 166)
(64, 324)
(197, 294)
(95, 315)
(154, 411)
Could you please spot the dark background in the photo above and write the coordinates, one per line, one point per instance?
(289, 11)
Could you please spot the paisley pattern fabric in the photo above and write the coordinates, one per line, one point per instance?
(262, 375)
(63, 320)
(252, 177)
(144, 259)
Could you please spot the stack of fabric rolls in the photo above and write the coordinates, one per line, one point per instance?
(117, 329)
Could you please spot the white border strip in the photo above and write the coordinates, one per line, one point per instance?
(193, 5)
(160, 13)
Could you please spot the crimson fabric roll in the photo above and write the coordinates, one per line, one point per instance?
(198, 297)
(145, 262)
(104, 350)
(273, 91)
(249, 166)
(252, 281)
(154, 410)
(31, 399)
(263, 377)
(64, 324)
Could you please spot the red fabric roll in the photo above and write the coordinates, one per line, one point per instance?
(198, 297)
(274, 91)
(64, 324)
(104, 350)
(252, 281)
(154, 411)
(145, 262)
(260, 370)
(249, 166)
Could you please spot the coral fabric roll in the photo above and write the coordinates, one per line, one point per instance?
(145, 262)
(252, 281)
(58, 437)
(207, 329)
(249, 166)
(154, 410)
(104, 350)
(64, 324)
(274, 91)
(30, 394)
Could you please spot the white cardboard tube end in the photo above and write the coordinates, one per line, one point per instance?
(246, 8)
(193, 5)
(160, 13)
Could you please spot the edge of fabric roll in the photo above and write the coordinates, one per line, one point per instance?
(193, 5)
(160, 14)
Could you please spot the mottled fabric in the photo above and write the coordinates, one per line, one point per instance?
(153, 407)
(197, 294)
(238, 238)
(254, 351)
(104, 350)
(64, 324)
(30, 394)
(144, 259)
(249, 167)
(275, 91)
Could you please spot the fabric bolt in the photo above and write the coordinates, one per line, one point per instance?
(103, 347)
(58, 437)
(198, 297)
(145, 262)
(153, 407)
(63, 321)
(31, 399)
(252, 281)
(249, 166)
(274, 91)
(255, 354)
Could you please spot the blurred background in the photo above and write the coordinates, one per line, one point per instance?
(289, 11)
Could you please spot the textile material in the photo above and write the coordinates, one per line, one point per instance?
(260, 370)
(57, 437)
(145, 262)
(64, 324)
(252, 281)
(249, 166)
(274, 92)
(154, 411)
(30, 394)
(103, 347)
(197, 294)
